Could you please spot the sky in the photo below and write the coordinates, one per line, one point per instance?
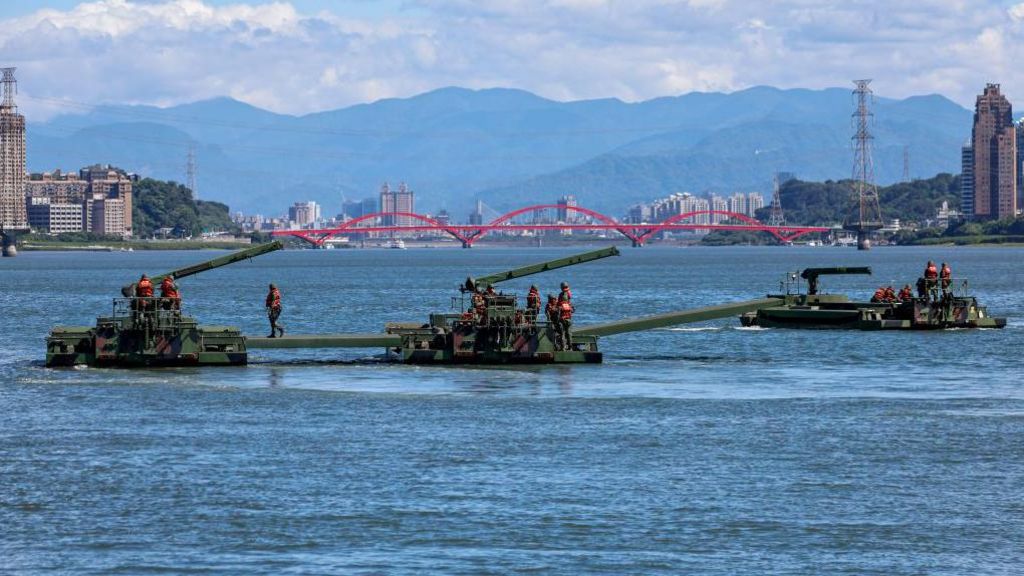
(303, 56)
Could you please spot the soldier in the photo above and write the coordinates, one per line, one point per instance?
(274, 311)
(553, 320)
(169, 293)
(906, 294)
(565, 310)
(879, 296)
(143, 290)
(890, 294)
(479, 306)
(931, 274)
(532, 305)
(144, 287)
(566, 294)
(946, 277)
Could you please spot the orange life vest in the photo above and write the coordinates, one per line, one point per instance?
(946, 273)
(565, 310)
(533, 300)
(167, 289)
(144, 289)
(274, 299)
(931, 272)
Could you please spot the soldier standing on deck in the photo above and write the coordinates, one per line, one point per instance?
(553, 321)
(532, 305)
(274, 311)
(566, 294)
(946, 276)
(169, 293)
(565, 310)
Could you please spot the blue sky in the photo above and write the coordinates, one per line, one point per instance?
(301, 56)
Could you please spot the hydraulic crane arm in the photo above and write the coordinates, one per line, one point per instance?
(252, 252)
(674, 318)
(483, 282)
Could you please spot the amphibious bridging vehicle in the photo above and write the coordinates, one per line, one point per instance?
(146, 332)
(151, 332)
(934, 308)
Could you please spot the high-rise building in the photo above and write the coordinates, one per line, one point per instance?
(54, 217)
(12, 157)
(57, 187)
(476, 217)
(994, 142)
(359, 208)
(400, 200)
(967, 179)
(755, 201)
(108, 204)
(738, 203)
(102, 194)
(719, 204)
(565, 212)
(304, 213)
(106, 215)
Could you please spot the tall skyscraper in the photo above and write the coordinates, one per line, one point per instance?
(12, 157)
(565, 212)
(967, 179)
(304, 214)
(401, 200)
(994, 139)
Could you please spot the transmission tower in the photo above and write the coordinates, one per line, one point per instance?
(190, 171)
(775, 214)
(868, 214)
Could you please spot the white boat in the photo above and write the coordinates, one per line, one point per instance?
(396, 244)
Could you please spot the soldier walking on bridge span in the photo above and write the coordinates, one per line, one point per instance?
(274, 311)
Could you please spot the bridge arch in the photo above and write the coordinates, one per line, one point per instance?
(753, 222)
(497, 222)
(350, 226)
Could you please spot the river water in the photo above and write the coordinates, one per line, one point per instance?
(702, 449)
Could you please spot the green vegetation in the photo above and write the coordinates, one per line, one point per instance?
(1006, 231)
(831, 202)
(58, 243)
(158, 204)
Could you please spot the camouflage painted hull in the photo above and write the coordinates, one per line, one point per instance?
(448, 340)
(836, 312)
(111, 344)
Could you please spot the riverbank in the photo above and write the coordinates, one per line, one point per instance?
(35, 246)
(978, 240)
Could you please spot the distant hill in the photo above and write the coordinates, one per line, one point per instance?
(506, 147)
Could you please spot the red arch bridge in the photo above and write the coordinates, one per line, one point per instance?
(468, 234)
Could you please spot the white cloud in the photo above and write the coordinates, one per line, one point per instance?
(274, 56)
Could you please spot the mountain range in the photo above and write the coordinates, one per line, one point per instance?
(506, 147)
